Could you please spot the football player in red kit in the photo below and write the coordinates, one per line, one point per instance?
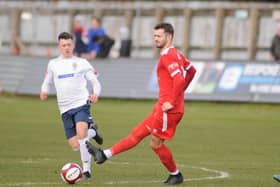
(174, 74)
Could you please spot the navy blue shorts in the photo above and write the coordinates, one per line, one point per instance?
(71, 117)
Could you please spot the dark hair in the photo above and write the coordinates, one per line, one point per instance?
(65, 35)
(167, 27)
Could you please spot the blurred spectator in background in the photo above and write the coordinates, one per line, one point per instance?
(99, 43)
(94, 32)
(106, 43)
(125, 42)
(275, 45)
(80, 35)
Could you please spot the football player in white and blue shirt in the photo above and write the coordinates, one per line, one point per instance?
(70, 75)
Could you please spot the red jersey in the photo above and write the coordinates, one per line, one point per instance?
(171, 72)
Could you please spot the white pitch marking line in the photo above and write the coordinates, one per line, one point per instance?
(35, 161)
(35, 183)
(221, 175)
(28, 183)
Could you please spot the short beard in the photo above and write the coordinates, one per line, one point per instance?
(160, 46)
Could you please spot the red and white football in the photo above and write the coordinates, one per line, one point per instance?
(71, 173)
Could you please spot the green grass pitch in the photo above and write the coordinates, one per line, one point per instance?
(212, 141)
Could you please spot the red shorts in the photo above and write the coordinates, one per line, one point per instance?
(160, 124)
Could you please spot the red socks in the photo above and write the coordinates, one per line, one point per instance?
(138, 133)
(134, 138)
(166, 158)
(123, 145)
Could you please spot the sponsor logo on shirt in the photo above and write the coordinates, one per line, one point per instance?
(63, 76)
(173, 66)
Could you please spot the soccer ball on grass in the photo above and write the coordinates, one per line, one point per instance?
(71, 173)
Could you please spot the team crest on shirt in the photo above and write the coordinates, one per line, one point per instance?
(173, 66)
(74, 65)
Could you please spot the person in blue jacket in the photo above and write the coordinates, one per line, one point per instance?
(96, 31)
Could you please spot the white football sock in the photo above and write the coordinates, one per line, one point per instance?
(85, 155)
(86, 167)
(108, 153)
(91, 133)
(175, 173)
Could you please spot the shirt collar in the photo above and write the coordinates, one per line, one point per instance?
(61, 57)
(165, 51)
